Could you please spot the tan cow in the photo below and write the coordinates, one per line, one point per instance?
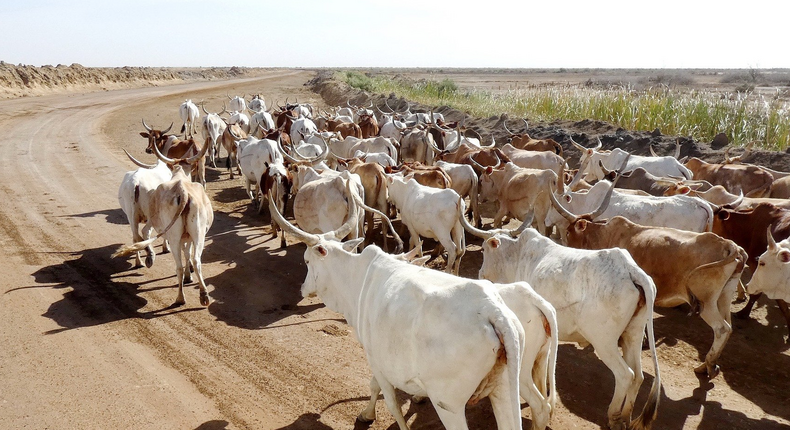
(752, 181)
(542, 160)
(518, 192)
(701, 269)
(374, 182)
(181, 212)
(230, 136)
(524, 141)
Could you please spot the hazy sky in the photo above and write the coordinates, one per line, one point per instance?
(311, 33)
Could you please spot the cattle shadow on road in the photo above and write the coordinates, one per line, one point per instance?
(585, 386)
(754, 362)
(112, 216)
(260, 283)
(97, 293)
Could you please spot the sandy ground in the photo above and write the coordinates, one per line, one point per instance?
(89, 343)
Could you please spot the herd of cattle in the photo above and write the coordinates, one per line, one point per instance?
(620, 235)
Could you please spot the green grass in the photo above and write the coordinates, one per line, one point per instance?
(744, 117)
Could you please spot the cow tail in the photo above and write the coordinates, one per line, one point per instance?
(183, 202)
(136, 193)
(512, 338)
(647, 289)
(550, 326)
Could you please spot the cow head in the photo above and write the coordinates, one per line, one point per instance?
(155, 137)
(772, 276)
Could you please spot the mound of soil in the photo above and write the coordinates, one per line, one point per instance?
(22, 81)
(586, 132)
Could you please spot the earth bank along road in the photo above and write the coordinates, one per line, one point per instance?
(89, 343)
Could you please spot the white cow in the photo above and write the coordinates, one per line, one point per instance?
(212, 129)
(257, 104)
(465, 182)
(602, 298)
(322, 203)
(237, 104)
(431, 334)
(261, 121)
(240, 118)
(658, 166)
(189, 115)
(772, 276)
(302, 127)
(679, 211)
(429, 212)
(254, 157)
(181, 212)
(134, 195)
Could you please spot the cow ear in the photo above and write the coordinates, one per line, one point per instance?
(568, 198)
(352, 244)
(493, 242)
(723, 215)
(784, 256)
(144, 134)
(581, 225)
(684, 190)
(420, 261)
(321, 250)
(489, 170)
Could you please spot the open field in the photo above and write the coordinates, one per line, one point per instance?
(89, 343)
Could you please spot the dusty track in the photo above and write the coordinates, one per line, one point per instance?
(89, 343)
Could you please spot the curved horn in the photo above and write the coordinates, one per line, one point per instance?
(600, 144)
(385, 218)
(677, 149)
(564, 212)
(737, 202)
(223, 109)
(195, 158)
(395, 124)
(527, 222)
(139, 163)
(150, 130)
(165, 159)
(606, 172)
(286, 155)
(477, 165)
(605, 203)
(431, 144)
(353, 216)
(526, 125)
(504, 124)
(167, 129)
(302, 236)
(771, 242)
(230, 130)
(203, 106)
(579, 147)
(228, 96)
(652, 152)
(492, 145)
(483, 234)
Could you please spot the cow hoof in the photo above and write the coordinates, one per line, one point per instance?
(363, 419)
(617, 425)
(149, 261)
(188, 278)
(710, 371)
(178, 303)
(204, 299)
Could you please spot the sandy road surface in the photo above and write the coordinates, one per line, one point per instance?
(88, 343)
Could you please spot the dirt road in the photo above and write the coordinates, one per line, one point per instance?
(89, 343)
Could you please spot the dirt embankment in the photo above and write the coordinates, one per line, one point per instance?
(585, 132)
(23, 81)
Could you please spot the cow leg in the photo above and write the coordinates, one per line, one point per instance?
(179, 275)
(165, 247)
(631, 343)
(785, 311)
(384, 235)
(623, 376)
(149, 250)
(197, 254)
(188, 258)
(368, 415)
(248, 187)
(414, 240)
(452, 420)
(391, 400)
(744, 313)
(532, 387)
(370, 226)
(137, 238)
(500, 403)
(721, 333)
(452, 252)
(500, 214)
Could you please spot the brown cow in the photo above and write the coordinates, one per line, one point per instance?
(518, 191)
(752, 181)
(374, 183)
(430, 176)
(175, 148)
(368, 125)
(747, 228)
(701, 269)
(524, 141)
(230, 136)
